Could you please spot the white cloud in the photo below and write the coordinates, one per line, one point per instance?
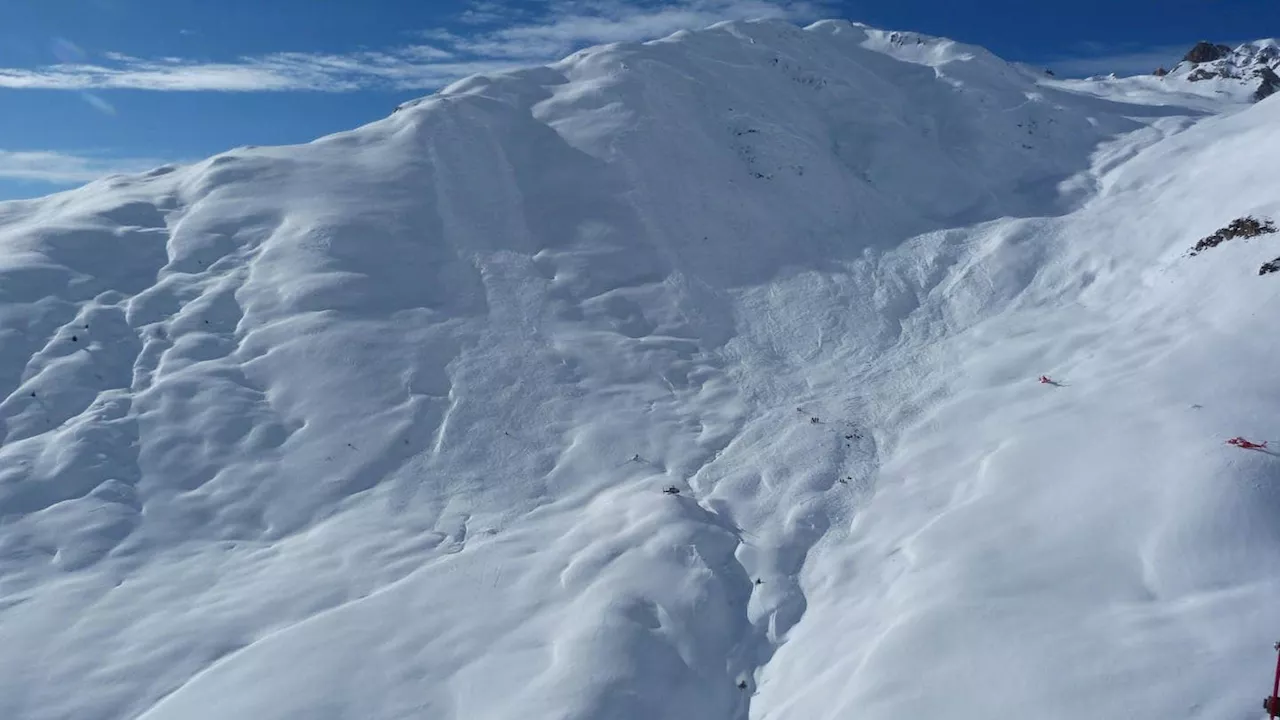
(98, 103)
(526, 38)
(575, 24)
(58, 168)
(415, 67)
(487, 12)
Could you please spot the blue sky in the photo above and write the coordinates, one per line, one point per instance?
(92, 87)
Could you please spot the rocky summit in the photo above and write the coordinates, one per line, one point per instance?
(1251, 65)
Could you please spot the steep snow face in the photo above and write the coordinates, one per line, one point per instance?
(379, 426)
(1089, 549)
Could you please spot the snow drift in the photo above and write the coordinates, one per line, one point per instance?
(378, 426)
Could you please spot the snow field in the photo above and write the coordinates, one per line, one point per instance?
(378, 426)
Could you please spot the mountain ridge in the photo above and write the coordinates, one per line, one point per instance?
(1251, 65)
(379, 425)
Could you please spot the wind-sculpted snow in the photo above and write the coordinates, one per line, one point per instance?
(379, 426)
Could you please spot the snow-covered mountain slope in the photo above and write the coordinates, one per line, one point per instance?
(1249, 69)
(1208, 77)
(379, 426)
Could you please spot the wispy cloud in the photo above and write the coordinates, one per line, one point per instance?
(495, 39)
(580, 23)
(412, 67)
(56, 168)
(488, 12)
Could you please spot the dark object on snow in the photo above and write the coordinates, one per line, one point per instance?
(1245, 227)
(1201, 74)
(814, 420)
(1206, 52)
(1270, 83)
(759, 581)
(672, 491)
(1267, 268)
(1160, 72)
(1272, 704)
(742, 685)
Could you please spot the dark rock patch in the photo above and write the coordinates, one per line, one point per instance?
(1245, 227)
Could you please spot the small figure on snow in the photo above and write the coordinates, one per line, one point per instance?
(1247, 445)
(1046, 380)
(671, 490)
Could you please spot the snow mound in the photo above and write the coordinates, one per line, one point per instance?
(379, 426)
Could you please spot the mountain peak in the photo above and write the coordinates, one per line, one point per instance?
(1251, 66)
(1206, 52)
(643, 384)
